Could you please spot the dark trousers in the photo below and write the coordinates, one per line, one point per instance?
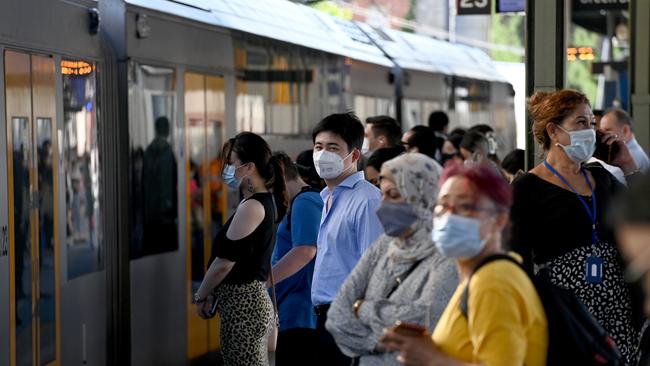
(296, 347)
(328, 353)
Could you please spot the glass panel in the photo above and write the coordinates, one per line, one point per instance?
(412, 113)
(196, 151)
(22, 249)
(46, 240)
(215, 106)
(283, 90)
(81, 166)
(152, 108)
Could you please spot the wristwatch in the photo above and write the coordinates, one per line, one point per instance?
(197, 299)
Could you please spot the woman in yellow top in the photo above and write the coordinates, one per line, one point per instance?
(505, 323)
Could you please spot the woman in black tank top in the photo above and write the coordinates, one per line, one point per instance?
(236, 279)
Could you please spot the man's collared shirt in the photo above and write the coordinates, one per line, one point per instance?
(347, 229)
(639, 156)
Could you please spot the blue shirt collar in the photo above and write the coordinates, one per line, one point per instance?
(348, 182)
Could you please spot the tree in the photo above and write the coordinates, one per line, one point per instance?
(507, 29)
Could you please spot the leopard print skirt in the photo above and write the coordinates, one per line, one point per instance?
(609, 302)
(246, 313)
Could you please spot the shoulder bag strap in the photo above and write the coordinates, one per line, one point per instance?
(464, 307)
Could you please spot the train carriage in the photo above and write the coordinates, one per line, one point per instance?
(113, 115)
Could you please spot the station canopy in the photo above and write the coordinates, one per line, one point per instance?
(301, 25)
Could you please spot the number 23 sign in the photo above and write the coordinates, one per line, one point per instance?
(474, 7)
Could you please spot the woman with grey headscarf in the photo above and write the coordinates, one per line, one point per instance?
(401, 276)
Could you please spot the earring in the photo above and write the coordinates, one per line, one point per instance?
(250, 185)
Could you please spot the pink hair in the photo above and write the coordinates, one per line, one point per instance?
(486, 180)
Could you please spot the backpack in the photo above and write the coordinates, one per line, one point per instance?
(574, 336)
(303, 190)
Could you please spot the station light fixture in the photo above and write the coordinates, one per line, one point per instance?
(580, 53)
(75, 67)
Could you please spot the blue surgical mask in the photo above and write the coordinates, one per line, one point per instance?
(457, 236)
(229, 178)
(582, 146)
(396, 218)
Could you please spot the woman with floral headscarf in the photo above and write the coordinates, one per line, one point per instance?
(402, 276)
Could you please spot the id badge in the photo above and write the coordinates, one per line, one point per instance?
(594, 269)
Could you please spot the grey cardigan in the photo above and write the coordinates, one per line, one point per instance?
(420, 299)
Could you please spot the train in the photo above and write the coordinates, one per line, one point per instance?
(113, 115)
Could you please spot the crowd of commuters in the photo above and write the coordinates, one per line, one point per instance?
(424, 248)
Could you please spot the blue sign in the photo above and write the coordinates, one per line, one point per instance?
(511, 6)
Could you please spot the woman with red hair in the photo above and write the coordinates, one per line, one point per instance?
(560, 208)
(508, 323)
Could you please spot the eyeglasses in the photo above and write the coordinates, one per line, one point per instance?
(461, 209)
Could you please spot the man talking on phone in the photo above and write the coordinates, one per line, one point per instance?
(616, 121)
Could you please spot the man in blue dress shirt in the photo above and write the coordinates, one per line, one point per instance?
(349, 223)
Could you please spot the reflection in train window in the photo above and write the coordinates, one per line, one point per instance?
(83, 234)
(285, 90)
(153, 174)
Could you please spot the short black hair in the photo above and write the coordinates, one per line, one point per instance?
(482, 128)
(387, 127)
(456, 136)
(307, 170)
(346, 125)
(597, 112)
(379, 157)
(290, 170)
(424, 139)
(438, 120)
(514, 161)
(475, 140)
(380, 119)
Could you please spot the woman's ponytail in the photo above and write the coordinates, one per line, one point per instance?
(278, 187)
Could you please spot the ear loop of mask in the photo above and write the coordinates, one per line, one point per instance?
(347, 156)
(568, 133)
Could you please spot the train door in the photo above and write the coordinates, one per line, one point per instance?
(205, 195)
(32, 181)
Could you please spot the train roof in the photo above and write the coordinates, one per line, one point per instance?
(301, 25)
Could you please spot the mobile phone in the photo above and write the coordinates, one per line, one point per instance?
(409, 329)
(605, 152)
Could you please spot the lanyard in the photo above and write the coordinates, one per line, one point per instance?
(592, 213)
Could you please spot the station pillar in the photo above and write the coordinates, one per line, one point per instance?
(640, 70)
(545, 58)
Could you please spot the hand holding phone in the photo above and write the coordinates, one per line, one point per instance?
(612, 149)
(607, 149)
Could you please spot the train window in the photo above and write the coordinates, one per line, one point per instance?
(412, 113)
(84, 242)
(367, 106)
(152, 121)
(285, 90)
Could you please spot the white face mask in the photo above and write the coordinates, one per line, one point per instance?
(328, 164)
(583, 144)
(365, 148)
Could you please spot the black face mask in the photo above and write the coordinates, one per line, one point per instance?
(446, 157)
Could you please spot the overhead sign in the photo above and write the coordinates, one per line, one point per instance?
(474, 7)
(511, 6)
(580, 5)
